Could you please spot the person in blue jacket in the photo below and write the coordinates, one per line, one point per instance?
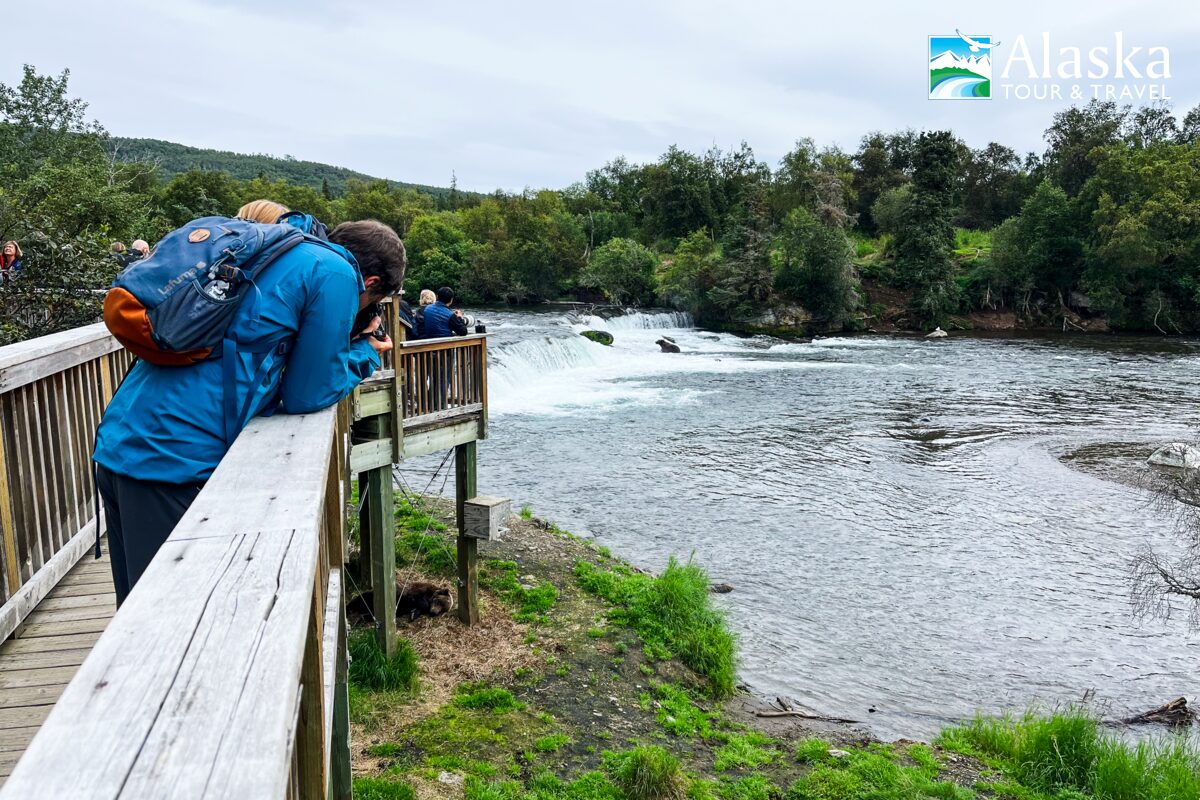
(440, 320)
(164, 432)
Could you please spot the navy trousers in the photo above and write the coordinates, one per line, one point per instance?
(140, 515)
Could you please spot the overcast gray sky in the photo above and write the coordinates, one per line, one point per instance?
(534, 94)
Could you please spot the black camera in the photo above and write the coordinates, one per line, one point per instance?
(364, 319)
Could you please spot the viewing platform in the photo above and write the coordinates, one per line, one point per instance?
(223, 674)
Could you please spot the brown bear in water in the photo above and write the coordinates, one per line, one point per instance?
(418, 597)
(668, 345)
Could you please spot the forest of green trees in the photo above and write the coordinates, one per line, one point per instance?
(171, 159)
(1107, 218)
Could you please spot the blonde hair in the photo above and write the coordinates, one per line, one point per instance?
(265, 211)
(16, 248)
(428, 297)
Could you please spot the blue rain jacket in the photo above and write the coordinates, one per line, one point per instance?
(441, 322)
(168, 423)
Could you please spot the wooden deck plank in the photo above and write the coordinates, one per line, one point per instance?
(45, 644)
(99, 611)
(55, 658)
(60, 628)
(74, 589)
(31, 696)
(30, 715)
(45, 676)
(11, 738)
(89, 585)
(55, 602)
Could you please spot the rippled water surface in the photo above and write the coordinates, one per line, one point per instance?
(894, 513)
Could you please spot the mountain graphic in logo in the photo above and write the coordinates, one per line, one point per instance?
(960, 67)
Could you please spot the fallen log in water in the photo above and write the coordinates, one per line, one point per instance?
(1173, 713)
(788, 709)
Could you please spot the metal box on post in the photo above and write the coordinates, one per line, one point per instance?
(484, 517)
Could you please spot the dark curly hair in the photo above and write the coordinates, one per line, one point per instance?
(377, 249)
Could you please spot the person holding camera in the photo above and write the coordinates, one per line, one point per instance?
(306, 342)
(440, 320)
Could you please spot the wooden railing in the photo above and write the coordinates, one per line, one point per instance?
(223, 674)
(52, 392)
(442, 378)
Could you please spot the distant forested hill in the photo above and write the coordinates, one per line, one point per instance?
(174, 158)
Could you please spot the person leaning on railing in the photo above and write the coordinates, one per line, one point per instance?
(164, 431)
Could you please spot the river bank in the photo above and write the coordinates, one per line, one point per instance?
(565, 691)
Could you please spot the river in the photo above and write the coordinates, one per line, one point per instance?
(895, 514)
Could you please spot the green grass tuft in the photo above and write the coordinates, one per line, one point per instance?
(371, 670)
(1067, 752)
(812, 751)
(680, 715)
(420, 541)
(650, 773)
(526, 512)
(501, 577)
(872, 774)
(673, 613)
(495, 700)
(382, 789)
(551, 743)
(747, 751)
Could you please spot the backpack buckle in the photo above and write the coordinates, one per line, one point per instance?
(228, 272)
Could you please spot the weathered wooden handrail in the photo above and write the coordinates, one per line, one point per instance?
(441, 400)
(53, 390)
(221, 673)
(442, 377)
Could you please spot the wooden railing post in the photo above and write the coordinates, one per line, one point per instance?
(310, 733)
(340, 780)
(8, 525)
(380, 528)
(468, 567)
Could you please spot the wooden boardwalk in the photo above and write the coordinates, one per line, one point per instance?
(43, 655)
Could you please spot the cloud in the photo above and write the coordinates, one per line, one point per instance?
(536, 93)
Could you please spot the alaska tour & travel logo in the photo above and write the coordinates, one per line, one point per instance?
(960, 67)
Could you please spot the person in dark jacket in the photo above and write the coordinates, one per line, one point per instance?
(136, 252)
(442, 321)
(426, 299)
(164, 431)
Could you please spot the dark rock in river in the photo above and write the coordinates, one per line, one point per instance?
(599, 337)
(720, 588)
(667, 346)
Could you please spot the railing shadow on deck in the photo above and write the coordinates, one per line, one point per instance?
(224, 672)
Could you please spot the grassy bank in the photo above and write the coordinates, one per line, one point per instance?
(591, 679)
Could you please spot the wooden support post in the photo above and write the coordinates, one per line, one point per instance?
(310, 735)
(381, 515)
(340, 780)
(468, 567)
(363, 578)
(8, 526)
